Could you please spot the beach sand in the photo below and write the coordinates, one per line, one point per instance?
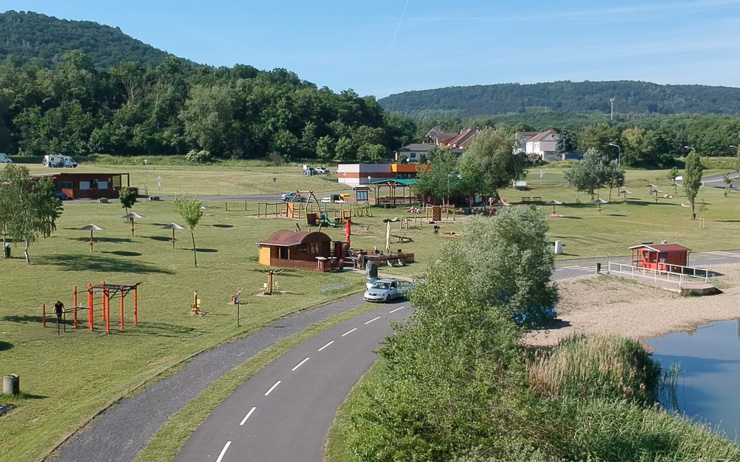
(599, 304)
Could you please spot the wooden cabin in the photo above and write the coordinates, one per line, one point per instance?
(296, 249)
(662, 257)
(86, 185)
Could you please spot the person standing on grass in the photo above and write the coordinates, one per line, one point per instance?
(59, 310)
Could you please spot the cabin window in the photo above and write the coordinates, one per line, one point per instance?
(84, 185)
(65, 185)
(102, 185)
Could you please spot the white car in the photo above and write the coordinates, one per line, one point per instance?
(384, 290)
(4, 159)
(322, 170)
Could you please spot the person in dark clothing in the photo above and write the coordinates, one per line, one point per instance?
(59, 310)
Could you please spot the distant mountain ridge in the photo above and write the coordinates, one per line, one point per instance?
(33, 35)
(630, 97)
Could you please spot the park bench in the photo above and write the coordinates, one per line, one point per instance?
(402, 239)
(526, 198)
(536, 199)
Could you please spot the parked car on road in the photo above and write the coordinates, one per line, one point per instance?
(322, 170)
(4, 159)
(292, 196)
(385, 290)
(337, 198)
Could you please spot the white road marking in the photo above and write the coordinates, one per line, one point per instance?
(399, 308)
(349, 332)
(241, 353)
(299, 364)
(579, 268)
(326, 345)
(272, 388)
(374, 319)
(247, 416)
(718, 258)
(223, 451)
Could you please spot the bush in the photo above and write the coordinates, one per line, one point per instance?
(596, 367)
(199, 157)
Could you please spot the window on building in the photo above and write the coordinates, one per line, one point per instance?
(65, 185)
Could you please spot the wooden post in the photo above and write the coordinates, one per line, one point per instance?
(136, 314)
(121, 289)
(90, 313)
(43, 315)
(74, 298)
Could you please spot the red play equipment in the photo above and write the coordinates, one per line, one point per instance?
(106, 292)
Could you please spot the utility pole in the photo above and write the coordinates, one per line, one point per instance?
(611, 103)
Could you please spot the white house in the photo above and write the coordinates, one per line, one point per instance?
(543, 144)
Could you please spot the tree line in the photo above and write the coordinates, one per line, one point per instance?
(647, 142)
(212, 113)
(629, 97)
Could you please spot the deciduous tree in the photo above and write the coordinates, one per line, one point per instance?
(190, 211)
(692, 179)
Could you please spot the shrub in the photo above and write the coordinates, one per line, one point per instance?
(199, 157)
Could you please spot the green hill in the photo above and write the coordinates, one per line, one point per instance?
(33, 35)
(630, 97)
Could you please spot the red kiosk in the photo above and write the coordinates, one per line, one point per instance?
(661, 257)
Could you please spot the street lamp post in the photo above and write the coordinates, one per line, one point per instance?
(146, 177)
(619, 153)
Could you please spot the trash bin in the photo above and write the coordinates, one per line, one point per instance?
(598, 268)
(6, 250)
(11, 384)
(558, 247)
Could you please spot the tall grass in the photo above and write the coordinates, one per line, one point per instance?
(604, 367)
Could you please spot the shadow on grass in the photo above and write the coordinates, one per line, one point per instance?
(160, 238)
(78, 262)
(615, 215)
(223, 226)
(24, 319)
(203, 250)
(114, 240)
(161, 329)
(125, 253)
(5, 346)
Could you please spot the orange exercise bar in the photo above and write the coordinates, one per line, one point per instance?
(121, 307)
(136, 314)
(107, 310)
(90, 314)
(43, 315)
(102, 299)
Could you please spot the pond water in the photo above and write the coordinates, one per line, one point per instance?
(710, 373)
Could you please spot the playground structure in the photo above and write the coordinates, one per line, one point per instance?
(106, 292)
(434, 213)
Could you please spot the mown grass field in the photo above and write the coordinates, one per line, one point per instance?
(66, 379)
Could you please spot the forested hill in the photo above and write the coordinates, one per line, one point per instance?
(581, 97)
(33, 35)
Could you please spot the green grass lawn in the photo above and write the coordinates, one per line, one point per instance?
(67, 379)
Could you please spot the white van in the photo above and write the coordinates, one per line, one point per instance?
(4, 159)
(58, 160)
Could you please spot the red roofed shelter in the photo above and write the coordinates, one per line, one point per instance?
(660, 257)
(295, 249)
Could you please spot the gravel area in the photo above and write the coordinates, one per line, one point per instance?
(614, 305)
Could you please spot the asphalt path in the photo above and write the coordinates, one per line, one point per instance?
(284, 412)
(718, 181)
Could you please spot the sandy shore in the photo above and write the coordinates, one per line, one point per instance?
(613, 305)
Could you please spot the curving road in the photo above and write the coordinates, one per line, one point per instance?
(285, 411)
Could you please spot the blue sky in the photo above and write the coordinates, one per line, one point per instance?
(381, 47)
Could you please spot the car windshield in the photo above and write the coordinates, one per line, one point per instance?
(381, 285)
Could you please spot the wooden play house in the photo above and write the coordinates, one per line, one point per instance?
(296, 249)
(662, 257)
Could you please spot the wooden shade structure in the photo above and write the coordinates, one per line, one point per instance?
(92, 228)
(553, 203)
(131, 217)
(173, 227)
(599, 202)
